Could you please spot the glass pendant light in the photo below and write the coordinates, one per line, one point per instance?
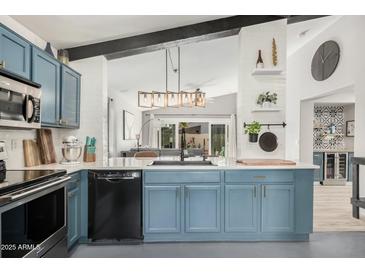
(199, 98)
(159, 99)
(145, 99)
(186, 99)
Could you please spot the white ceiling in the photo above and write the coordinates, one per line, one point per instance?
(211, 66)
(65, 31)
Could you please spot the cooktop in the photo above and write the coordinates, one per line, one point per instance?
(18, 179)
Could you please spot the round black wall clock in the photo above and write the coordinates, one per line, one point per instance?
(325, 60)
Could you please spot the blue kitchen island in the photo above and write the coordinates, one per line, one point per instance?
(222, 202)
(258, 204)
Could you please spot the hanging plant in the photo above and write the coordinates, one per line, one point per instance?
(253, 131)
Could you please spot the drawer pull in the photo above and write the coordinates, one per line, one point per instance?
(259, 177)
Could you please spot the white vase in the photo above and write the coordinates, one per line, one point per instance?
(266, 105)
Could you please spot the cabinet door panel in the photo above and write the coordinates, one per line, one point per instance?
(74, 215)
(46, 71)
(70, 98)
(15, 53)
(277, 208)
(162, 209)
(241, 208)
(318, 159)
(202, 208)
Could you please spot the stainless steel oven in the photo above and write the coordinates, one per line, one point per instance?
(20, 103)
(33, 221)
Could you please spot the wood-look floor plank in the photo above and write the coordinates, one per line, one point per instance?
(333, 210)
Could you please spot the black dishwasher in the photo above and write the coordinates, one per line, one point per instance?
(115, 205)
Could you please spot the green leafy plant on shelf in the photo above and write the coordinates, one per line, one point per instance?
(267, 97)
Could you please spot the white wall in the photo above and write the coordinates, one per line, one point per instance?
(122, 102)
(346, 31)
(251, 39)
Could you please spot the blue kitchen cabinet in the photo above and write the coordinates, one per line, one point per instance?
(318, 159)
(202, 208)
(47, 71)
(14, 53)
(70, 98)
(349, 171)
(162, 209)
(241, 208)
(277, 207)
(74, 210)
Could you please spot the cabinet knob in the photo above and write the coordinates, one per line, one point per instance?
(63, 122)
(2, 64)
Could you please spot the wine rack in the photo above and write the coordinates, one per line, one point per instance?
(335, 168)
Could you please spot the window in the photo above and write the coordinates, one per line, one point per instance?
(168, 136)
(218, 140)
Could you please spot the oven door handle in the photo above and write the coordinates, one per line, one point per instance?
(34, 190)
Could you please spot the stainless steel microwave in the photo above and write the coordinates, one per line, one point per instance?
(20, 103)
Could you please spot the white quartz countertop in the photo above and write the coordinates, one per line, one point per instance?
(144, 163)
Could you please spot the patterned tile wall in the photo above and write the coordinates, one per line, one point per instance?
(324, 117)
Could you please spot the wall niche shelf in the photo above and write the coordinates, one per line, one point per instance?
(267, 72)
(266, 110)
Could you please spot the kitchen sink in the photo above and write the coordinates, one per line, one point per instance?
(182, 163)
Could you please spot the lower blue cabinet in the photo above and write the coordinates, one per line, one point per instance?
(277, 207)
(162, 209)
(202, 208)
(74, 213)
(241, 208)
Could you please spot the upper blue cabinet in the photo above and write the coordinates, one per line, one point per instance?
(60, 101)
(47, 72)
(70, 98)
(14, 53)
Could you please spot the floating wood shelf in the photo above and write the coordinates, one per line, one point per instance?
(267, 72)
(266, 110)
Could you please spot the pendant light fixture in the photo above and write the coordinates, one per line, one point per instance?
(170, 98)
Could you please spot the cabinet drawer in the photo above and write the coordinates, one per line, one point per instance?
(250, 176)
(182, 177)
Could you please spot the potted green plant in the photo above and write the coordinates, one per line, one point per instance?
(253, 131)
(266, 99)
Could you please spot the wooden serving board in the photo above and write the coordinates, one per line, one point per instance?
(32, 155)
(265, 162)
(45, 142)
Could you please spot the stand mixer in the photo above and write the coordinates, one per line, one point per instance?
(71, 150)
